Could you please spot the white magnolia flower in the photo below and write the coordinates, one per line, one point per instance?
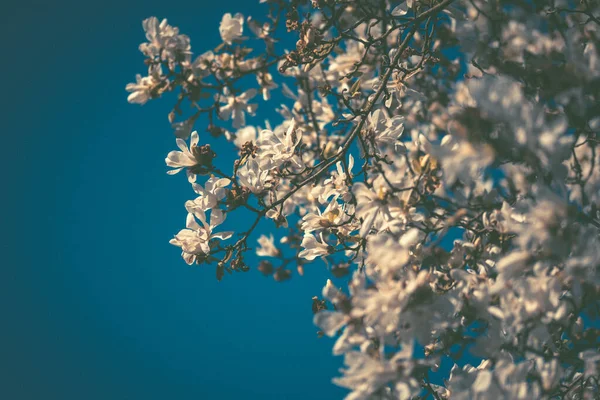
(164, 41)
(245, 134)
(267, 247)
(388, 254)
(184, 158)
(236, 107)
(372, 205)
(333, 215)
(332, 321)
(210, 195)
(506, 380)
(202, 63)
(314, 248)
(279, 146)
(231, 28)
(395, 302)
(158, 36)
(366, 376)
(252, 176)
(384, 131)
(142, 88)
(337, 184)
(194, 240)
(278, 216)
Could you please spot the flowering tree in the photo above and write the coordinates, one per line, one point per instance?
(442, 154)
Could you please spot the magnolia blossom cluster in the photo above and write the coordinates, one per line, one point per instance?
(440, 158)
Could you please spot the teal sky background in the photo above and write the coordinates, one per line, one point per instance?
(96, 304)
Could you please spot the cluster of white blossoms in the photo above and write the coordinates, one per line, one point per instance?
(440, 157)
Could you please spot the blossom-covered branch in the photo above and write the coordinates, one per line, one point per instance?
(442, 155)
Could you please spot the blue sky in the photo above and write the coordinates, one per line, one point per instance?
(97, 304)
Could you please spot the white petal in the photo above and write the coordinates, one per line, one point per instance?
(182, 145)
(173, 171)
(216, 218)
(400, 10)
(194, 139)
(191, 223)
(330, 321)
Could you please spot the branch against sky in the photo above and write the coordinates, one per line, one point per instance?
(442, 154)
